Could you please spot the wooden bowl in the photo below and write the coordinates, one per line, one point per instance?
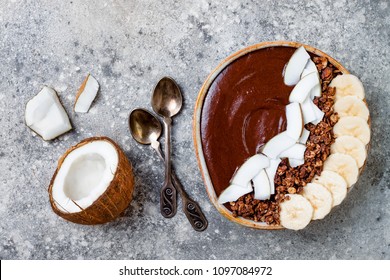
(197, 121)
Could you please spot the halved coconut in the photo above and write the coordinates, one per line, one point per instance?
(93, 182)
(86, 94)
(46, 116)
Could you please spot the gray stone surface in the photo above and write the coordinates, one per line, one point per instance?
(128, 46)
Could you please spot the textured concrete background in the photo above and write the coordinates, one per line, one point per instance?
(128, 46)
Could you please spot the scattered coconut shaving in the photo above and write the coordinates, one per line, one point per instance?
(86, 94)
(45, 115)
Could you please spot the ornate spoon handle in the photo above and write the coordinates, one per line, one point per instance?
(168, 202)
(192, 210)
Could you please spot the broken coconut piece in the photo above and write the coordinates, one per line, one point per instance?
(93, 183)
(86, 94)
(46, 116)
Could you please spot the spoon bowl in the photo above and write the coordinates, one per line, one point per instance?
(167, 99)
(144, 126)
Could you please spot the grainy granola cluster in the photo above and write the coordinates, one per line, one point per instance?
(292, 180)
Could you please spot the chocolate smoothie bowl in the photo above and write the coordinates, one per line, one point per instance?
(242, 119)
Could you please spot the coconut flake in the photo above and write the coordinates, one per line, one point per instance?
(295, 66)
(294, 120)
(46, 116)
(249, 169)
(278, 144)
(304, 137)
(271, 172)
(296, 151)
(233, 192)
(86, 94)
(309, 68)
(296, 162)
(261, 185)
(302, 90)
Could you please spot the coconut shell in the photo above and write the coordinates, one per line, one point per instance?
(112, 202)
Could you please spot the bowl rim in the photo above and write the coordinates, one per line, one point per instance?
(198, 113)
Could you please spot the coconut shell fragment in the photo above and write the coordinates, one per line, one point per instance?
(116, 196)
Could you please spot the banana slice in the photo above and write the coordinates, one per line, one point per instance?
(344, 165)
(352, 146)
(351, 106)
(347, 85)
(296, 212)
(334, 183)
(320, 198)
(353, 126)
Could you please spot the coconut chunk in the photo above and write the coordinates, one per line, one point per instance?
(86, 94)
(45, 115)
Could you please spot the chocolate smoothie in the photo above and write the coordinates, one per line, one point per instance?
(243, 109)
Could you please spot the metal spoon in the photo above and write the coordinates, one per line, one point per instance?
(166, 102)
(146, 129)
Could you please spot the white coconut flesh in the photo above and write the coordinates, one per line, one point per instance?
(84, 176)
(46, 116)
(86, 95)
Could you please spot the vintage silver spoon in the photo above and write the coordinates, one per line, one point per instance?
(146, 129)
(167, 102)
